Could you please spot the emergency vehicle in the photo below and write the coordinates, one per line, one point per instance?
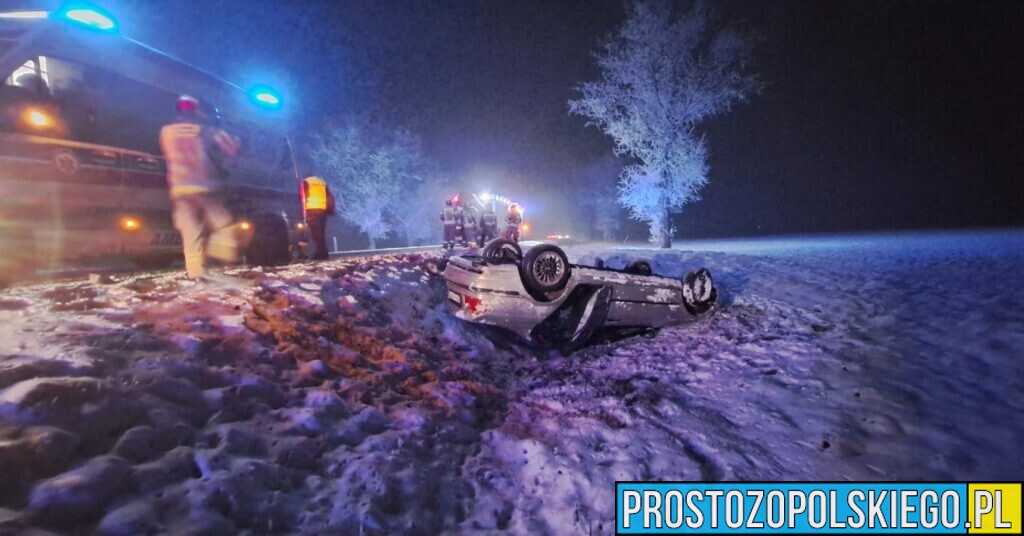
(81, 174)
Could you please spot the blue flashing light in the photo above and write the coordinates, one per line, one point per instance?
(89, 16)
(266, 97)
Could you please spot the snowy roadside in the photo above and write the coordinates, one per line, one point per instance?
(342, 397)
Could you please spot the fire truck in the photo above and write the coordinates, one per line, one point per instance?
(81, 175)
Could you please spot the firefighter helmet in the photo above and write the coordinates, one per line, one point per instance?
(187, 104)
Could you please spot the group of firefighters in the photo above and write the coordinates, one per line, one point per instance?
(199, 154)
(464, 226)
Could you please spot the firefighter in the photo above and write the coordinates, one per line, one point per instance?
(317, 206)
(198, 156)
(448, 220)
(513, 218)
(470, 228)
(460, 222)
(488, 224)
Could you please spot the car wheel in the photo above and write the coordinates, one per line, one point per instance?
(639, 268)
(154, 262)
(699, 292)
(545, 269)
(501, 249)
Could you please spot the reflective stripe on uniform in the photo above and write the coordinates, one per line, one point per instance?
(178, 191)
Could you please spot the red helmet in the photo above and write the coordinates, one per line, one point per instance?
(187, 104)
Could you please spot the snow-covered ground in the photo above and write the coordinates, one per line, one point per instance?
(343, 398)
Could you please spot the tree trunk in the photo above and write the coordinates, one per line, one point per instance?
(666, 230)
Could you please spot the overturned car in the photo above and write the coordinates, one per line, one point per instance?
(550, 302)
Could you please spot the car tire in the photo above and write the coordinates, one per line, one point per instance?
(269, 244)
(545, 269)
(502, 249)
(639, 268)
(699, 292)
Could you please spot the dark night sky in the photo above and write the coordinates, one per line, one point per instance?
(874, 114)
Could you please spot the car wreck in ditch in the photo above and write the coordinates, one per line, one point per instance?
(546, 300)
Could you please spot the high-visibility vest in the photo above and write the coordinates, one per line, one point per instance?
(315, 194)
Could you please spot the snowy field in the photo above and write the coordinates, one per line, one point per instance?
(343, 398)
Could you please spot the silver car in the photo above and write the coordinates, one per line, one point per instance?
(550, 302)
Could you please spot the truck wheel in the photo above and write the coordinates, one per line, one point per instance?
(269, 243)
(545, 269)
(154, 262)
(639, 268)
(699, 292)
(501, 249)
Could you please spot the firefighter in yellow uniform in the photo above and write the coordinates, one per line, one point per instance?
(317, 205)
(198, 156)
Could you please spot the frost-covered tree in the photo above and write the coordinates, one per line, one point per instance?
(417, 209)
(416, 223)
(357, 175)
(379, 180)
(663, 73)
(407, 168)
